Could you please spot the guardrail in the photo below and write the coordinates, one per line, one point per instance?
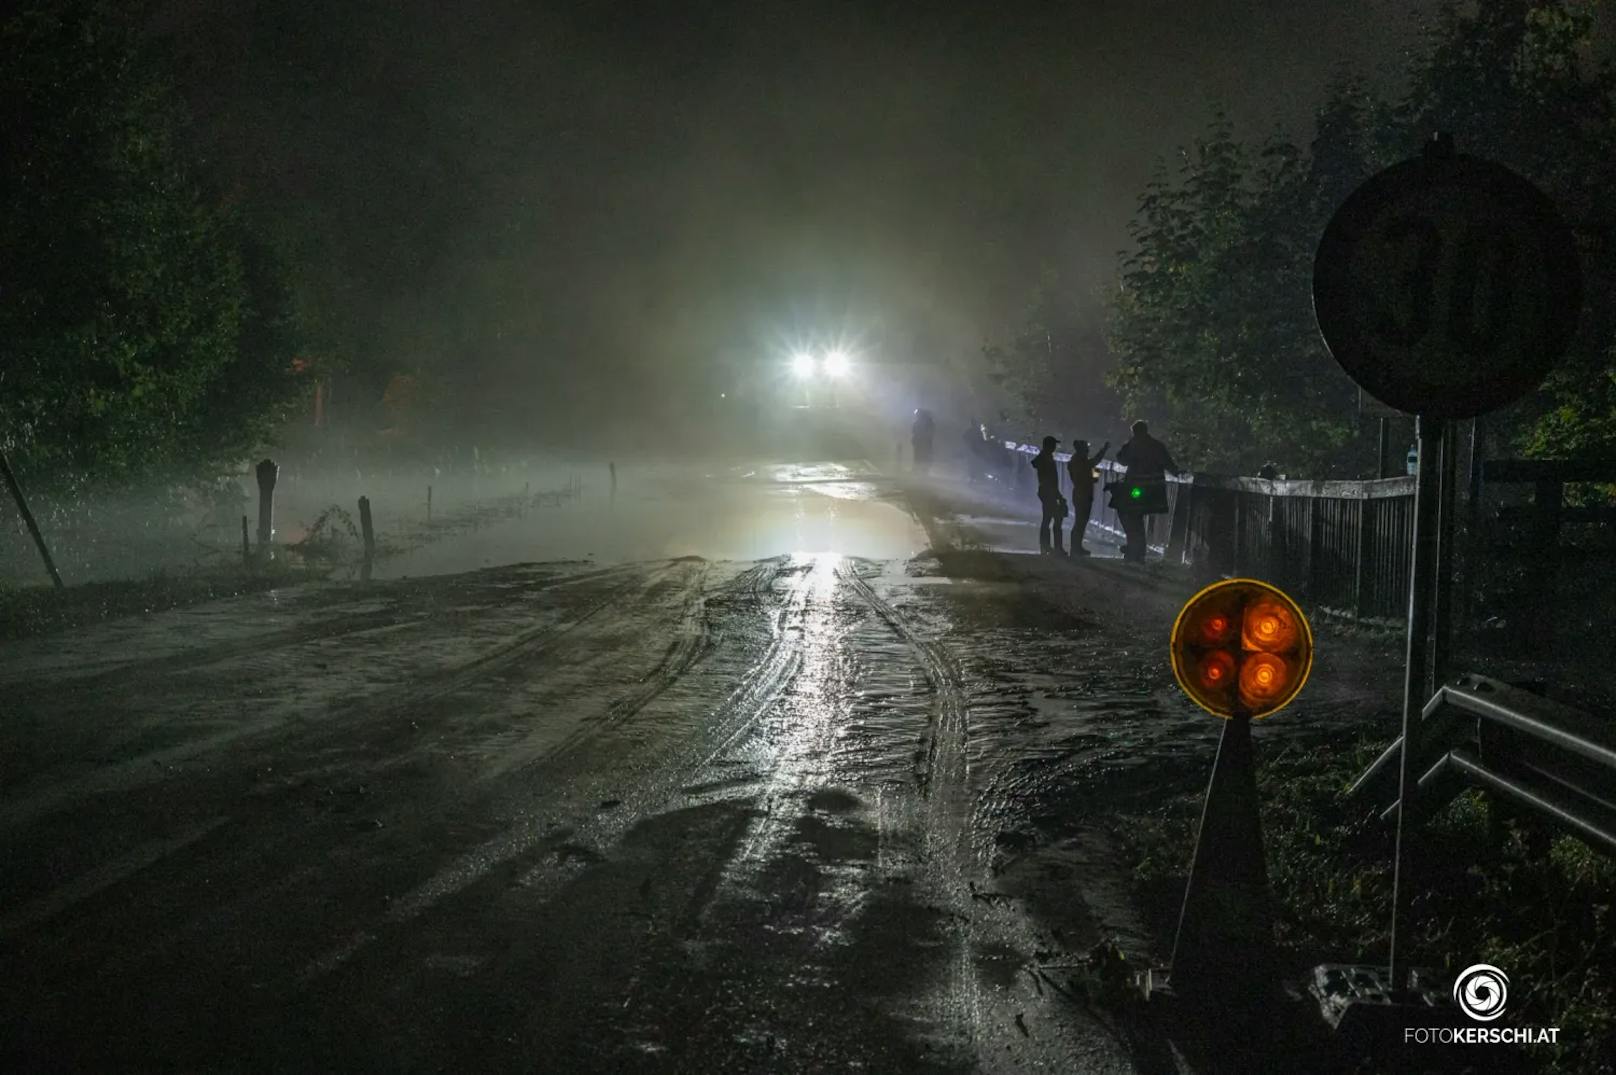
(1552, 759)
(1344, 544)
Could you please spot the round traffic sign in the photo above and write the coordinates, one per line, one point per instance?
(1447, 285)
(1241, 646)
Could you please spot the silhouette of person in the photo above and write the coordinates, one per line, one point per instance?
(920, 435)
(973, 452)
(1147, 460)
(1049, 496)
(1081, 468)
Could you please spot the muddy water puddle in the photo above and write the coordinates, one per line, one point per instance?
(653, 515)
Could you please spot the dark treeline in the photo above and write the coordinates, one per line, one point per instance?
(210, 213)
(144, 325)
(1211, 327)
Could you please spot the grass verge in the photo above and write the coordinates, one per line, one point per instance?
(1493, 887)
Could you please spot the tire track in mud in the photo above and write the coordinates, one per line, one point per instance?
(1078, 733)
(691, 642)
(943, 771)
(412, 695)
(737, 714)
(769, 677)
(527, 643)
(951, 857)
(258, 889)
(772, 875)
(980, 994)
(503, 708)
(257, 645)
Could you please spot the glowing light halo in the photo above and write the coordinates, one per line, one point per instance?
(1259, 668)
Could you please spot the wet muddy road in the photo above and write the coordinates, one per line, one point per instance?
(679, 815)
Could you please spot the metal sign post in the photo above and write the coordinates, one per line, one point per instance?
(1447, 523)
(1428, 434)
(1446, 286)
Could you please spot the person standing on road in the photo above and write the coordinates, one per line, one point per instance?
(1049, 495)
(1147, 460)
(973, 452)
(920, 435)
(1081, 468)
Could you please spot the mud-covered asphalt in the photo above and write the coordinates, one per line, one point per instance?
(794, 814)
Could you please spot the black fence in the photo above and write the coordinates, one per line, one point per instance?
(1345, 545)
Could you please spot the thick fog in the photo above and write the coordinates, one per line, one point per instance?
(532, 240)
(570, 214)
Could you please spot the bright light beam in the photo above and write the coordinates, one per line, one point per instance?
(802, 364)
(837, 363)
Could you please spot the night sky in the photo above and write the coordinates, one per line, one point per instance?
(546, 189)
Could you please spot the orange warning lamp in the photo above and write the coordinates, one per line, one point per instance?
(1241, 646)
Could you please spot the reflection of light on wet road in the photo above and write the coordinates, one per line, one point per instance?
(797, 738)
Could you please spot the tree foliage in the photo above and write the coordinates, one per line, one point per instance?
(1211, 325)
(1044, 374)
(142, 325)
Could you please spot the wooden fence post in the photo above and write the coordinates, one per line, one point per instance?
(366, 530)
(1277, 565)
(1363, 572)
(1179, 524)
(1237, 564)
(267, 473)
(1222, 524)
(1315, 549)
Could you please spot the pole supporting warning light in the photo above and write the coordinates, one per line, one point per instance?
(1241, 649)
(1241, 646)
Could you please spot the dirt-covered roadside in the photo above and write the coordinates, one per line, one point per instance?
(1115, 829)
(329, 549)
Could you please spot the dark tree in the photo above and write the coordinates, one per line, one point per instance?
(1211, 324)
(141, 326)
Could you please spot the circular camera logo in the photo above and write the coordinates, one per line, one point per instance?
(1482, 991)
